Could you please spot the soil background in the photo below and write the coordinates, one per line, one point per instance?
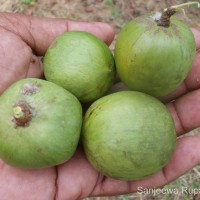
(116, 13)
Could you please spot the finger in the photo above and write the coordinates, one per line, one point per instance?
(39, 32)
(186, 156)
(81, 175)
(35, 69)
(197, 37)
(16, 60)
(24, 184)
(192, 81)
(185, 112)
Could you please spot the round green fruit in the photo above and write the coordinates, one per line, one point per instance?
(153, 58)
(81, 63)
(40, 124)
(128, 135)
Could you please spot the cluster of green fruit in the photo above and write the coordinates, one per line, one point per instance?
(125, 135)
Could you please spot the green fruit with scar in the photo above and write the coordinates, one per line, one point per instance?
(40, 124)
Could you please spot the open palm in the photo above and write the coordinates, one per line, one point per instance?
(24, 40)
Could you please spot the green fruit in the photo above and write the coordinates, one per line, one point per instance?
(154, 59)
(128, 135)
(81, 63)
(40, 124)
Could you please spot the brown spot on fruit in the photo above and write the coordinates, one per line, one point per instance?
(39, 150)
(30, 88)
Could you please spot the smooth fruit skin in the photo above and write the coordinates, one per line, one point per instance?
(128, 135)
(52, 134)
(81, 63)
(154, 59)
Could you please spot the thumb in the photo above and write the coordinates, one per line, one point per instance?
(38, 32)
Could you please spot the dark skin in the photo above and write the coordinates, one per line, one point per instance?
(24, 40)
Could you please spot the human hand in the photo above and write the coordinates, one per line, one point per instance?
(184, 105)
(22, 39)
(25, 39)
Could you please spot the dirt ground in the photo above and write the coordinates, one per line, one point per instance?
(113, 12)
(116, 13)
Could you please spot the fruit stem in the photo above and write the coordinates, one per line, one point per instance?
(165, 17)
(18, 112)
(21, 114)
(168, 12)
(184, 4)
